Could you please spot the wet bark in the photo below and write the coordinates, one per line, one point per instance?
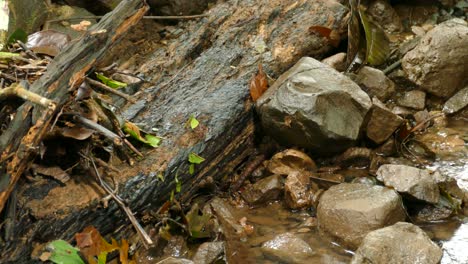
(205, 72)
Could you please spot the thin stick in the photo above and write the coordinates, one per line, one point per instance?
(145, 17)
(393, 66)
(19, 91)
(110, 90)
(145, 238)
(104, 131)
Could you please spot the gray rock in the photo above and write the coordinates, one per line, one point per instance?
(399, 243)
(313, 106)
(384, 14)
(337, 61)
(375, 83)
(223, 211)
(410, 180)
(288, 248)
(382, 122)
(413, 99)
(265, 190)
(208, 252)
(299, 192)
(438, 63)
(348, 211)
(457, 102)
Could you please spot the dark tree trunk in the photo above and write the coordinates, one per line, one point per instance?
(209, 65)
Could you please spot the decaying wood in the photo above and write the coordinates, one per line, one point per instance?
(204, 72)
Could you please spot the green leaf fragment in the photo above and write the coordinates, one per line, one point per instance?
(161, 177)
(195, 159)
(18, 34)
(109, 82)
(153, 141)
(178, 184)
(191, 168)
(193, 122)
(63, 253)
(102, 258)
(198, 223)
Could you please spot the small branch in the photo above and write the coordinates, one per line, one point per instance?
(145, 238)
(104, 131)
(393, 66)
(145, 17)
(110, 90)
(19, 91)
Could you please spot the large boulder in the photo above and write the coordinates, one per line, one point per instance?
(348, 211)
(399, 243)
(438, 63)
(313, 106)
(415, 182)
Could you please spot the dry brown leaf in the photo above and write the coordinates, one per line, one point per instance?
(54, 172)
(331, 35)
(258, 84)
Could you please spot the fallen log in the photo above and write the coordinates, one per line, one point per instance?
(206, 74)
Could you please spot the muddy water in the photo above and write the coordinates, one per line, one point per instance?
(275, 219)
(451, 235)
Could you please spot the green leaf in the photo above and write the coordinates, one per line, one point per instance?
(377, 44)
(18, 34)
(193, 122)
(102, 258)
(135, 132)
(161, 177)
(63, 253)
(153, 141)
(109, 82)
(191, 168)
(178, 184)
(194, 158)
(172, 196)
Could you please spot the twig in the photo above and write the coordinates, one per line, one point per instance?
(145, 238)
(393, 66)
(19, 91)
(110, 90)
(104, 131)
(8, 76)
(145, 17)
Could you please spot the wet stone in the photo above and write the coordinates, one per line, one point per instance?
(457, 102)
(208, 252)
(375, 83)
(288, 248)
(385, 246)
(415, 182)
(438, 63)
(315, 107)
(413, 99)
(348, 211)
(263, 191)
(299, 191)
(382, 123)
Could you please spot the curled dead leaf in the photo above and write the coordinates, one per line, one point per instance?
(258, 84)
